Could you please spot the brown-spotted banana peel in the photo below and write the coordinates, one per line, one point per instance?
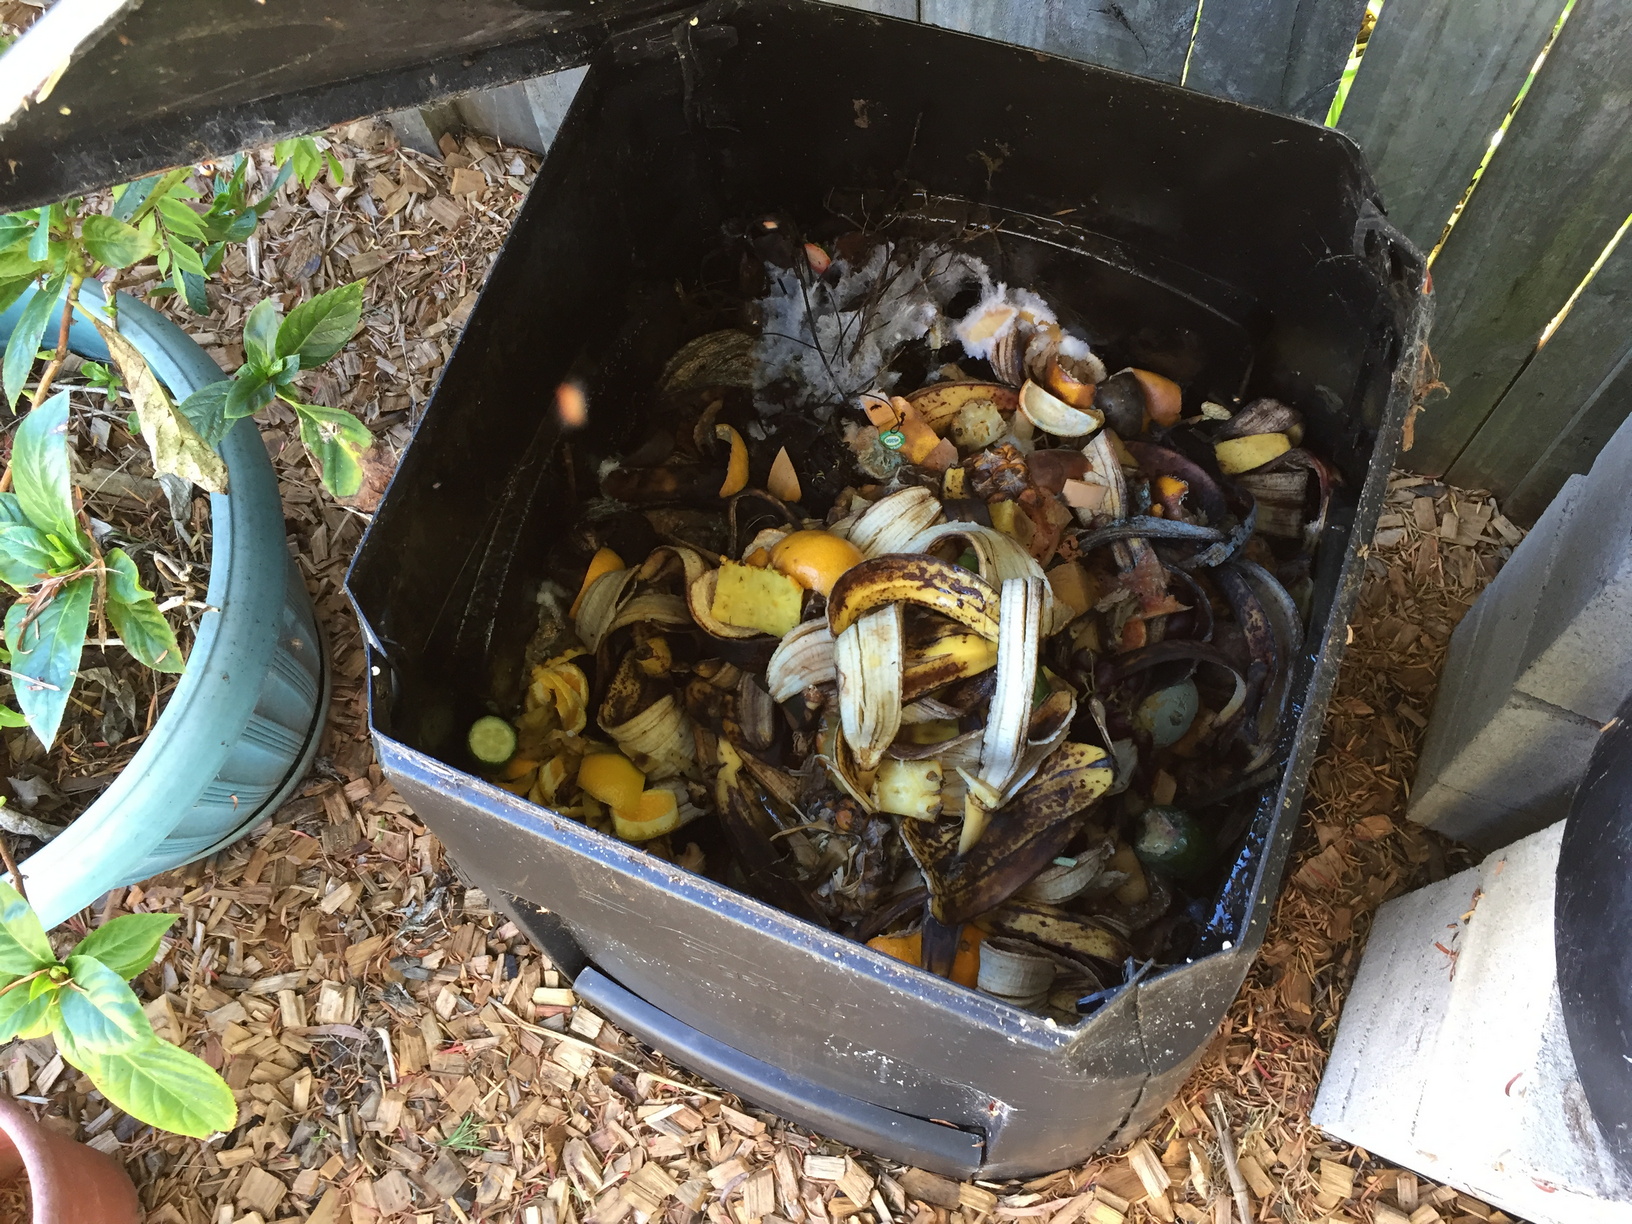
(1026, 834)
(1004, 743)
(939, 653)
(998, 557)
(925, 581)
(867, 658)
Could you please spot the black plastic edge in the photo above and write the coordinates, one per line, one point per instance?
(929, 1145)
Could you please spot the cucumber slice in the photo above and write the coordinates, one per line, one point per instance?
(1172, 840)
(492, 741)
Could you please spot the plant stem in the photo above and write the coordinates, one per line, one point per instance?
(100, 567)
(61, 356)
(11, 866)
(62, 341)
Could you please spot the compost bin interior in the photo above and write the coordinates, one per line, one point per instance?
(1238, 252)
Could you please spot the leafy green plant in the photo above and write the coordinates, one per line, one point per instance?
(64, 578)
(308, 161)
(57, 248)
(192, 244)
(89, 1009)
(274, 352)
(47, 554)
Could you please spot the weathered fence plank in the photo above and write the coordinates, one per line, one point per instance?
(1285, 55)
(1550, 200)
(1568, 402)
(1436, 81)
(1149, 37)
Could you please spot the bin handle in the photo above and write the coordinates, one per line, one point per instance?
(946, 1150)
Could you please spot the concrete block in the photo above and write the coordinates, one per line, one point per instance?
(525, 115)
(1593, 552)
(1575, 655)
(1517, 771)
(1488, 647)
(1451, 1057)
(420, 128)
(1542, 661)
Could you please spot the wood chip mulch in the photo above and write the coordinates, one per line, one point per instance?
(402, 1054)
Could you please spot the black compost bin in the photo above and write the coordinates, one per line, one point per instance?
(1592, 933)
(1245, 247)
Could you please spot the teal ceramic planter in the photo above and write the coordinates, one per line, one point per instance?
(245, 720)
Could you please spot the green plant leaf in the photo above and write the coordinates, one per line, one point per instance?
(128, 197)
(318, 329)
(25, 340)
(139, 198)
(39, 469)
(240, 227)
(45, 654)
(11, 510)
(20, 1011)
(23, 945)
(180, 220)
(11, 290)
(174, 443)
(337, 440)
(17, 264)
(206, 408)
(101, 1010)
(15, 228)
(99, 375)
(128, 944)
(192, 291)
(116, 244)
(184, 257)
(39, 242)
(161, 1085)
(10, 718)
(302, 153)
(38, 1025)
(261, 205)
(249, 393)
(26, 556)
(284, 370)
(137, 619)
(261, 335)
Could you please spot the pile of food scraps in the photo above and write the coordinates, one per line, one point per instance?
(986, 670)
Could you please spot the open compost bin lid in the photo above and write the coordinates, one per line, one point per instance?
(103, 91)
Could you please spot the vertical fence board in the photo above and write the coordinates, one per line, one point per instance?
(1436, 81)
(1578, 443)
(1285, 55)
(1571, 397)
(1553, 195)
(1148, 37)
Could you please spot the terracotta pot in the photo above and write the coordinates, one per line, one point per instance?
(69, 1183)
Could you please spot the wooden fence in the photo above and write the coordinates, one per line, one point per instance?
(1437, 80)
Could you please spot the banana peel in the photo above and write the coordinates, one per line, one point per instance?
(1024, 836)
(867, 656)
(920, 580)
(1056, 929)
(940, 651)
